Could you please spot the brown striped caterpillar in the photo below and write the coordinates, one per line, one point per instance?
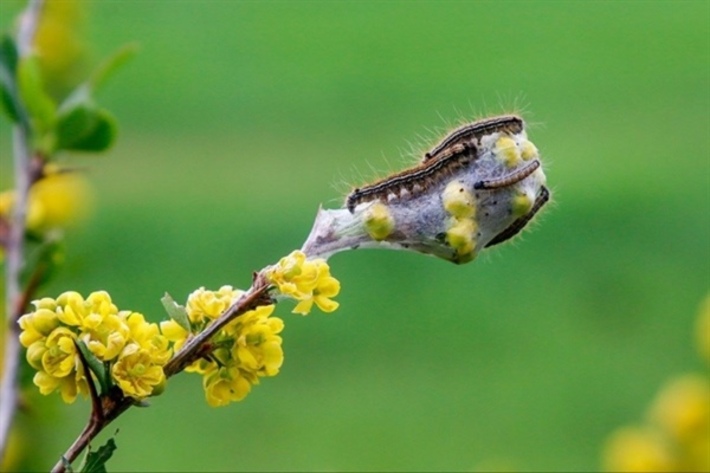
(475, 131)
(508, 179)
(453, 158)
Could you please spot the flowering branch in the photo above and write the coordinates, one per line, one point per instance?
(478, 187)
(22, 135)
(111, 407)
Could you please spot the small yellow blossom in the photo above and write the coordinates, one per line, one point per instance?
(37, 326)
(326, 288)
(148, 337)
(258, 347)
(59, 356)
(307, 281)
(208, 305)
(292, 276)
(69, 386)
(225, 385)
(105, 335)
(136, 373)
(35, 352)
(70, 307)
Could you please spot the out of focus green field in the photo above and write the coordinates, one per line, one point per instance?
(238, 119)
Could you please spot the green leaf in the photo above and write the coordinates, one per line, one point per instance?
(95, 462)
(176, 312)
(102, 136)
(75, 123)
(85, 127)
(39, 105)
(96, 366)
(8, 85)
(81, 124)
(111, 64)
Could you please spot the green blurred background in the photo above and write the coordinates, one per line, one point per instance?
(239, 118)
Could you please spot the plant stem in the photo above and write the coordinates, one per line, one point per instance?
(15, 244)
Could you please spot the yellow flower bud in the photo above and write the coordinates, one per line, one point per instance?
(462, 237)
(307, 281)
(37, 325)
(35, 352)
(378, 221)
(521, 204)
(507, 151)
(458, 201)
(528, 150)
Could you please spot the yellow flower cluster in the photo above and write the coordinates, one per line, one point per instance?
(133, 350)
(307, 281)
(676, 434)
(245, 350)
